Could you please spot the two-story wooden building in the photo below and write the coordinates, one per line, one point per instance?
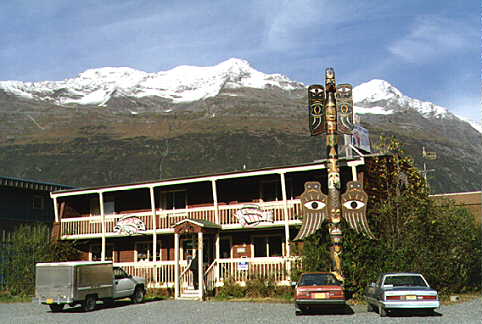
(241, 223)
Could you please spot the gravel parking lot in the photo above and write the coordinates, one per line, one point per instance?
(170, 311)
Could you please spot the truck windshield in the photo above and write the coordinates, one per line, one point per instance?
(405, 281)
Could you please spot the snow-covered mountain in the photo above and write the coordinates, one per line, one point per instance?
(192, 83)
(181, 84)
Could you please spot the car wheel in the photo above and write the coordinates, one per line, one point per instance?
(382, 311)
(138, 296)
(370, 308)
(109, 302)
(89, 303)
(55, 308)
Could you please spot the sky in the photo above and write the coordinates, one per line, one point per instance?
(430, 50)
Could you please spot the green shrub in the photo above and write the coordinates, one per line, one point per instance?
(231, 289)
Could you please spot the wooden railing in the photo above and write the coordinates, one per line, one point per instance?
(161, 273)
(165, 219)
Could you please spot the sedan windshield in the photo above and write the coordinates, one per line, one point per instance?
(318, 279)
(405, 281)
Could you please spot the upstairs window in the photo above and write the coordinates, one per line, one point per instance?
(176, 199)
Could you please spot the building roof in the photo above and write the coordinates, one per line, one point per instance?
(315, 165)
(31, 184)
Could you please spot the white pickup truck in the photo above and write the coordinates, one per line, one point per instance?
(84, 283)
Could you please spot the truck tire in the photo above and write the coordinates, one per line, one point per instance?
(138, 296)
(89, 303)
(55, 308)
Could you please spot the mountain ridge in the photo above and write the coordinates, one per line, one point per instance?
(134, 138)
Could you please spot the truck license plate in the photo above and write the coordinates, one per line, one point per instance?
(320, 295)
(411, 297)
(50, 300)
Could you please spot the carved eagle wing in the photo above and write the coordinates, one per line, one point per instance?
(354, 205)
(313, 209)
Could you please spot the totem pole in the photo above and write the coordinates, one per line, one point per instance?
(331, 113)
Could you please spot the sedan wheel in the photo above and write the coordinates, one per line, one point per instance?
(382, 311)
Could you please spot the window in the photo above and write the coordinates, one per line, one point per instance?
(119, 273)
(109, 207)
(271, 190)
(38, 202)
(225, 248)
(174, 199)
(144, 251)
(267, 246)
(96, 252)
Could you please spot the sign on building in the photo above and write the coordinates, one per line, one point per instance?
(360, 138)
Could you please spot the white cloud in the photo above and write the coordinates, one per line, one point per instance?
(434, 36)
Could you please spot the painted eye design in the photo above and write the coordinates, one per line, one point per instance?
(354, 204)
(315, 205)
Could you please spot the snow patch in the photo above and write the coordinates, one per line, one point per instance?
(372, 110)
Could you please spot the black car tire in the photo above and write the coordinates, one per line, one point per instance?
(370, 308)
(89, 303)
(55, 308)
(138, 296)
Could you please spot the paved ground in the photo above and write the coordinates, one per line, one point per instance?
(170, 311)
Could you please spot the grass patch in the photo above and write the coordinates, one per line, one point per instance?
(463, 297)
(6, 298)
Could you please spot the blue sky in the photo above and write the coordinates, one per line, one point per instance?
(429, 50)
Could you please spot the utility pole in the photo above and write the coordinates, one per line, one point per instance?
(427, 156)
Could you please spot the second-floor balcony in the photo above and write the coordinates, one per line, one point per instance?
(162, 221)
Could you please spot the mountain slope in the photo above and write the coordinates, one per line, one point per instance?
(117, 125)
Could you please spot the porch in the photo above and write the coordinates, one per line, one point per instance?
(161, 221)
(161, 274)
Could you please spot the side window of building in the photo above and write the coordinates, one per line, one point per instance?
(174, 199)
(38, 202)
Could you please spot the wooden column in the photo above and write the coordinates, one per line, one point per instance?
(215, 201)
(176, 265)
(285, 212)
(200, 248)
(56, 210)
(154, 225)
(102, 216)
(218, 256)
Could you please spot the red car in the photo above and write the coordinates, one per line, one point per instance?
(315, 290)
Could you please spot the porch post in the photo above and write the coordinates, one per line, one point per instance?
(154, 233)
(176, 265)
(56, 210)
(215, 201)
(285, 211)
(218, 256)
(102, 216)
(200, 264)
